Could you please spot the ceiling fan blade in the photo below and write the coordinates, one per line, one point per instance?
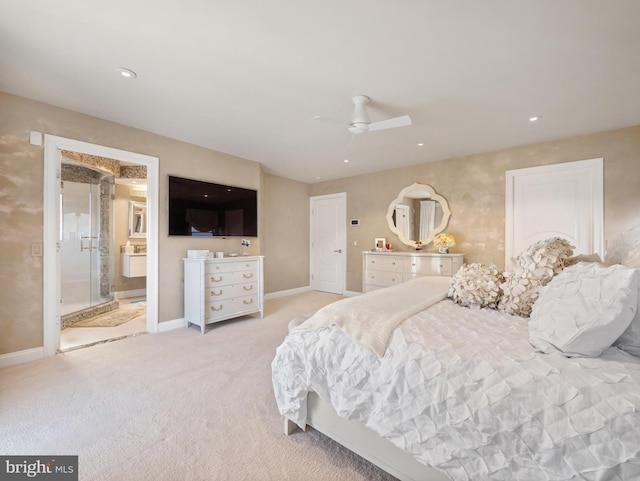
(326, 119)
(403, 121)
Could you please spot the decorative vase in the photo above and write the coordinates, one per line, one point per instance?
(443, 250)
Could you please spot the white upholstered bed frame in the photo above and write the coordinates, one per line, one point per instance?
(381, 452)
(356, 437)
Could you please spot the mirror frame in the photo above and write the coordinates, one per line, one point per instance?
(132, 206)
(446, 214)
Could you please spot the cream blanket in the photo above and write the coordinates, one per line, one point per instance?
(371, 318)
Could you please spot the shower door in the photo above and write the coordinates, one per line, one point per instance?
(86, 245)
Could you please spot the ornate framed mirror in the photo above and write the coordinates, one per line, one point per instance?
(137, 219)
(418, 214)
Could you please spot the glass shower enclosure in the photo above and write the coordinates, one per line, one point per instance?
(86, 238)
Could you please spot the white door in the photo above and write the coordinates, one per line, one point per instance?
(328, 242)
(559, 200)
(402, 221)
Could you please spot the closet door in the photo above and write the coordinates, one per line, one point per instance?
(559, 200)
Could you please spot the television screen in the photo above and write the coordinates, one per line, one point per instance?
(198, 208)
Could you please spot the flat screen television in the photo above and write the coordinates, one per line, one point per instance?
(204, 209)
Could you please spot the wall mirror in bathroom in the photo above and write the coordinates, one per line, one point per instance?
(137, 219)
(418, 214)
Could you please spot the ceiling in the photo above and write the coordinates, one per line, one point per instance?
(246, 77)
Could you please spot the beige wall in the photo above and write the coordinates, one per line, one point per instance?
(473, 185)
(475, 189)
(21, 212)
(286, 241)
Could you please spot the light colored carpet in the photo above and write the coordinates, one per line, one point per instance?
(123, 314)
(173, 406)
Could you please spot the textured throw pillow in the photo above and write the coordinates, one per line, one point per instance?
(476, 285)
(583, 310)
(532, 270)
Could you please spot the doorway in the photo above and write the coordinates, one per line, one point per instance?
(52, 248)
(86, 240)
(328, 248)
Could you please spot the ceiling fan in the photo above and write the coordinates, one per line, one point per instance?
(360, 121)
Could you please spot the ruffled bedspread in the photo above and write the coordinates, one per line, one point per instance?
(463, 391)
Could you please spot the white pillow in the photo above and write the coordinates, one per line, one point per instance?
(584, 309)
(629, 341)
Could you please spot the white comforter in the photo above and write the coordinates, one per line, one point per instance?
(463, 391)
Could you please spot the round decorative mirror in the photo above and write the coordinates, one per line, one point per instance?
(418, 214)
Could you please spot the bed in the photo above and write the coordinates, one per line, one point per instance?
(463, 392)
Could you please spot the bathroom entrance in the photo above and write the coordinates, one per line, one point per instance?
(86, 242)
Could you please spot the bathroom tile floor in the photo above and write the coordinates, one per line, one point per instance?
(76, 337)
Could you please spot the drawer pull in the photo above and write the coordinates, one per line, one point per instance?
(214, 308)
(214, 293)
(248, 301)
(247, 288)
(247, 276)
(213, 279)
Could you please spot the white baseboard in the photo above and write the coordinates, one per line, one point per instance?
(298, 290)
(288, 292)
(131, 293)
(352, 293)
(20, 357)
(171, 325)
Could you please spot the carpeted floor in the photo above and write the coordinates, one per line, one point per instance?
(173, 406)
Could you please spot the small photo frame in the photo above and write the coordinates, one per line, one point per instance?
(380, 243)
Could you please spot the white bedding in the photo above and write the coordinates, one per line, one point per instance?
(371, 318)
(462, 390)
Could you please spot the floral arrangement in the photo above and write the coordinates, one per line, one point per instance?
(444, 240)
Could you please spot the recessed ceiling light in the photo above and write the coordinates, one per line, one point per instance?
(126, 73)
(346, 161)
(535, 118)
(420, 144)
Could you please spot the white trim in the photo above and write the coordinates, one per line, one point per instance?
(131, 293)
(288, 292)
(171, 325)
(20, 357)
(51, 262)
(596, 168)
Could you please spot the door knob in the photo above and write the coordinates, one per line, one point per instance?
(339, 251)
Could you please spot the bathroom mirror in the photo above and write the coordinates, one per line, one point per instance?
(137, 219)
(418, 214)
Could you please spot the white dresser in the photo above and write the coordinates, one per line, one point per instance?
(220, 289)
(384, 269)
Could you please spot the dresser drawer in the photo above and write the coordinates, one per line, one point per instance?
(232, 306)
(429, 266)
(235, 266)
(383, 278)
(219, 292)
(384, 263)
(216, 279)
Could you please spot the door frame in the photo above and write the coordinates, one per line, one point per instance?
(342, 198)
(51, 230)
